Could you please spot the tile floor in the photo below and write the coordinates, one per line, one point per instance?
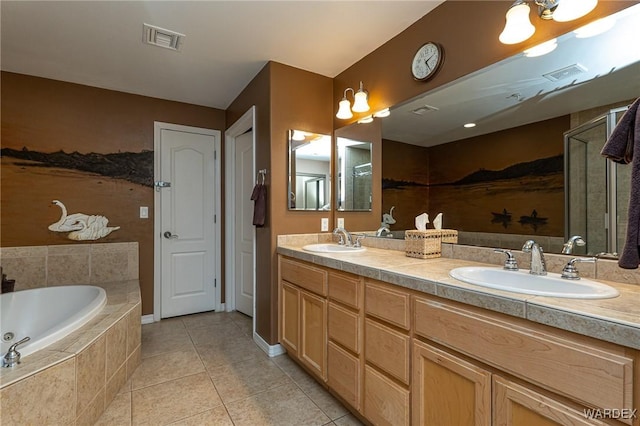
(204, 369)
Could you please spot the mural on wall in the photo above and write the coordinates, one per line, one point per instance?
(483, 184)
(81, 226)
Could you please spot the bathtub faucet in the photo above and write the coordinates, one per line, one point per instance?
(12, 357)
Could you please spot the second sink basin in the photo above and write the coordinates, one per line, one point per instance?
(332, 248)
(542, 285)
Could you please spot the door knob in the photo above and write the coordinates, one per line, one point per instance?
(169, 235)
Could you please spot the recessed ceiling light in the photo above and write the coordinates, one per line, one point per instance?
(470, 125)
(161, 37)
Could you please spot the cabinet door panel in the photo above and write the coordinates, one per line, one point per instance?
(313, 333)
(388, 349)
(387, 304)
(516, 405)
(290, 318)
(448, 390)
(385, 402)
(345, 289)
(343, 372)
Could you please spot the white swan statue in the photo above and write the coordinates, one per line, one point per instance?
(387, 218)
(80, 226)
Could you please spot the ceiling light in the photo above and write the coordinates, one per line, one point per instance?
(360, 103)
(596, 27)
(365, 120)
(382, 113)
(541, 49)
(519, 28)
(298, 135)
(470, 125)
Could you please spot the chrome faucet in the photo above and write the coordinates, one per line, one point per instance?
(12, 357)
(383, 229)
(577, 240)
(538, 264)
(345, 238)
(570, 272)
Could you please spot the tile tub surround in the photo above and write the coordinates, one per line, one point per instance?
(69, 264)
(74, 379)
(614, 320)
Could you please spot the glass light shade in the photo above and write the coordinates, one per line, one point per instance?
(518, 27)
(568, 10)
(382, 113)
(365, 120)
(298, 135)
(541, 49)
(596, 27)
(344, 109)
(360, 103)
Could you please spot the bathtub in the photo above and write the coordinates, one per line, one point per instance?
(46, 314)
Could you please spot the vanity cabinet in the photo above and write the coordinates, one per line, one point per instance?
(387, 353)
(303, 326)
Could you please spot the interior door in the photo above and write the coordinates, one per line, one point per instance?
(244, 230)
(187, 169)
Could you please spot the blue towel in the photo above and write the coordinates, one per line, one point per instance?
(624, 140)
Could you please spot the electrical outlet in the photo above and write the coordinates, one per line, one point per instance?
(144, 212)
(340, 222)
(324, 224)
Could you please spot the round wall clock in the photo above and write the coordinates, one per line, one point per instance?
(427, 61)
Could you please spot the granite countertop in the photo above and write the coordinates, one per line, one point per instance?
(615, 320)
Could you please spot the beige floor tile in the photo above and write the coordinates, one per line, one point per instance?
(164, 367)
(229, 351)
(283, 406)
(238, 381)
(324, 400)
(163, 326)
(174, 400)
(206, 319)
(172, 340)
(244, 322)
(214, 334)
(348, 420)
(216, 417)
(118, 413)
(292, 369)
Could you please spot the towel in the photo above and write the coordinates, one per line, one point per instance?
(259, 197)
(624, 140)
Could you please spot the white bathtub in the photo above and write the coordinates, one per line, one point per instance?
(47, 314)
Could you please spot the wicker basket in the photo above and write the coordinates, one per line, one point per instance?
(450, 236)
(423, 244)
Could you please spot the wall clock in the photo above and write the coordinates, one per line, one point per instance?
(427, 61)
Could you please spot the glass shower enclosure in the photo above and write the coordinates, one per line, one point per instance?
(596, 188)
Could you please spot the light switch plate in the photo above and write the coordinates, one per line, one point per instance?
(341, 222)
(144, 212)
(324, 224)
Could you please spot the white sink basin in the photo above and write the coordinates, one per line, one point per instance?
(332, 248)
(542, 285)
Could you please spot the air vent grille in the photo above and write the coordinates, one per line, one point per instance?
(161, 37)
(566, 72)
(424, 109)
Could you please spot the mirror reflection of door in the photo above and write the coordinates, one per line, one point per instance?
(309, 171)
(354, 171)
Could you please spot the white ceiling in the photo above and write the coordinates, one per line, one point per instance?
(99, 43)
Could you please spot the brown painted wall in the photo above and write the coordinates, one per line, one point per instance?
(47, 116)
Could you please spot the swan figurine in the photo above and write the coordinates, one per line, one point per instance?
(81, 226)
(387, 218)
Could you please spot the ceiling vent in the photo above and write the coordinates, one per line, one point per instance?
(163, 38)
(566, 72)
(424, 109)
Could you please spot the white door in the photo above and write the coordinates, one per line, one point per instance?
(188, 254)
(244, 230)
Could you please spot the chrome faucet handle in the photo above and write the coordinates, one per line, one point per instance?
(359, 238)
(567, 248)
(510, 262)
(570, 272)
(12, 357)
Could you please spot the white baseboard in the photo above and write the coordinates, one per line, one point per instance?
(147, 319)
(271, 350)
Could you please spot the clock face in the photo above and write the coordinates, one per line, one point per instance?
(426, 61)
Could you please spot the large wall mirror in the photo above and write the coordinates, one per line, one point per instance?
(354, 171)
(505, 178)
(309, 171)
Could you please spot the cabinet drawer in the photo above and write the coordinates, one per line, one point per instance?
(345, 289)
(304, 275)
(387, 304)
(388, 349)
(343, 371)
(385, 402)
(596, 374)
(344, 327)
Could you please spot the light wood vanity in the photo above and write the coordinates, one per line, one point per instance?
(399, 356)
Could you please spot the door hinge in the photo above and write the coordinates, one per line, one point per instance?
(215, 283)
(215, 155)
(215, 218)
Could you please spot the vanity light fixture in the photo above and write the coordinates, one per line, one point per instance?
(360, 103)
(596, 27)
(365, 120)
(541, 49)
(519, 28)
(380, 114)
(298, 135)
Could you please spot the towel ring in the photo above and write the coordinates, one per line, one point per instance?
(261, 176)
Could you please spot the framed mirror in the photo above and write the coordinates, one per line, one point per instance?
(309, 171)
(503, 180)
(354, 173)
